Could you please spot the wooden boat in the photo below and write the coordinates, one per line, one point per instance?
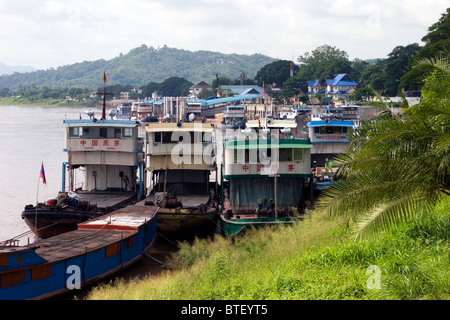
(266, 176)
(76, 259)
(181, 161)
(109, 154)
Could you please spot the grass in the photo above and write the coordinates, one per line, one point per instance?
(315, 259)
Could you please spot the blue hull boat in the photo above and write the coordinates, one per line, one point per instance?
(73, 260)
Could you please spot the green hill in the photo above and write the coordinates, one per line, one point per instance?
(142, 65)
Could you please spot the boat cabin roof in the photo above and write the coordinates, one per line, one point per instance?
(101, 123)
(272, 123)
(179, 127)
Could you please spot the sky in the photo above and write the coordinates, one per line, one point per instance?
(51, 33)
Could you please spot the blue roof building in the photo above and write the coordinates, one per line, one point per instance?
(340, 87)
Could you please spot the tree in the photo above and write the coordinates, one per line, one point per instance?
(436, 40)
(324, 62)
(396, 168)
(294, 86)
(275, 73)
(174, 87)
(397, 65)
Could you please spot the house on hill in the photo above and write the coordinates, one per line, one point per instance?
(341, 87)
(197, 88)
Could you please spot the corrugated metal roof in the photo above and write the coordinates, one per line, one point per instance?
(206, 103)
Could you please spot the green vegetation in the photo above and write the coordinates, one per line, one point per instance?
(315, 259)
(141, 66)
(395, 168)
(46, 96)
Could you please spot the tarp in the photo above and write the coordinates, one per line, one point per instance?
(245, 193)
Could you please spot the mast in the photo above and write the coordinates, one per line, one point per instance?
(104, 96)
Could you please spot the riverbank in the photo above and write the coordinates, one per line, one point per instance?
(21, 101)
(314, 260)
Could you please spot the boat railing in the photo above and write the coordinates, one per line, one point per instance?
(9, 243)
(295, 135)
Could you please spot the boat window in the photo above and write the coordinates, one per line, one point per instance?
(127, 133)
(167, 137)
(285, 154)
(103, 132)
(74, 132)
(297, 154)
(158, 137)
(246, 156)
(117, 133)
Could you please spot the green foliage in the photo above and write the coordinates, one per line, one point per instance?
(141, 66)
(312, 260)
(395, 168)
(276, 73)
(437, 41)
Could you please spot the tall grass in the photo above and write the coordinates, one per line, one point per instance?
(312, 260)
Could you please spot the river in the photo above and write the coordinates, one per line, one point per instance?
(29, 136)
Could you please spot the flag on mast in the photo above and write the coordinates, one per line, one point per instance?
(264, 90)
(42, 174)
(104, 76)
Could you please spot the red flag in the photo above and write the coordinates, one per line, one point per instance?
(104, 77)
(42, 174)
(264, 90)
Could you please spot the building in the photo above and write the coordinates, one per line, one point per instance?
(197, 88)
(242, 89)
(341, 87)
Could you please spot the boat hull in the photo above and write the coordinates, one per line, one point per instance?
(73, 260)
(179, 223)
(56, 219)
(51, 223)
(232, 227)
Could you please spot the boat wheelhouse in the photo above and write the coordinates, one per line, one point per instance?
(328, 131)
(104, 172)
(181, 162)
(234, 117)
(266, 176)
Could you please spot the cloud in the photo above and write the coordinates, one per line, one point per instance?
(52, 33)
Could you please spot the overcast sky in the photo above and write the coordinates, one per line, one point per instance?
(52, 33)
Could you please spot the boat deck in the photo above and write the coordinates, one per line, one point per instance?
(96, 233)
(105, 199)
(188, 201)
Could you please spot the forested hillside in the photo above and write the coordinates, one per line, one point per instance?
(141, 66)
